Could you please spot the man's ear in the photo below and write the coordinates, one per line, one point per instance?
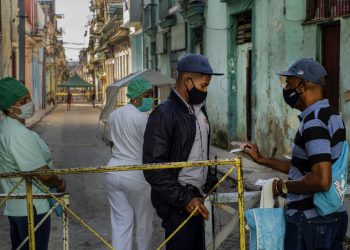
(303, 86)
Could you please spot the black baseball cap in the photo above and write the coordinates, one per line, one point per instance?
(307, 69)
(195, 63)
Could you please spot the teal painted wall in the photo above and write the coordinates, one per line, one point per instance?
(279, 38)
(215, 48)
(345, 71)
(137, 52)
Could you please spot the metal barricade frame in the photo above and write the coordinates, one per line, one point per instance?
(29, 177)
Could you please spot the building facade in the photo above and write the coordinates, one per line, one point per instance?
(249, 41)
(44, 54)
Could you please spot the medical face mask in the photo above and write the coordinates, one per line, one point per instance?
(27, 110)
(196, 96)
(291, 97)
(146, 104)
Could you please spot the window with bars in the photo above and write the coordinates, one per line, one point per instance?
(244, 28)
(323, 9)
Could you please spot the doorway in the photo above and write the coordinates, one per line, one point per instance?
(249, 95)
(330, 60)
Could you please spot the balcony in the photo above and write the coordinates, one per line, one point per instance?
(193, 12)
(59, 32)
(165, 19)
(132, 13)
(97, 27)
(319, 10)
(100, 17)
(149, 23)
(164, 6)
(39, 35)
(114, 9)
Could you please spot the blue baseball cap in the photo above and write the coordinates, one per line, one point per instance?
(194, 63)
(307, 69)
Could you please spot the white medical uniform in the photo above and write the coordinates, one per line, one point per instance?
(128, 192)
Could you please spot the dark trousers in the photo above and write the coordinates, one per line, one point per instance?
(190, 237)
(19, 231)
(326, 232)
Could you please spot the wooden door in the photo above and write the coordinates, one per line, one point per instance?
(330, 60)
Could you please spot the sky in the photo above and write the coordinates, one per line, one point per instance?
(75, 22)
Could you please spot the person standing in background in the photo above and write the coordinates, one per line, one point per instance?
(128, 192)
(69, 100)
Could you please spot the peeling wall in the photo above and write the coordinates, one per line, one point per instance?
(345, 72)
(136, 52)
(9, 36)
(279, 38)
(215, 48)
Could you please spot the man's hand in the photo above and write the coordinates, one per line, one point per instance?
(62, 187)
(275, 188)
(202, 210)
(253, 151)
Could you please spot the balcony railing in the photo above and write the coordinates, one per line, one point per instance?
(149, 16)
(164, 6)
(323, 9)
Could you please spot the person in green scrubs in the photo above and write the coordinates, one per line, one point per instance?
(22, 150)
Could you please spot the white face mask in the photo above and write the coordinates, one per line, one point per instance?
(27, 110)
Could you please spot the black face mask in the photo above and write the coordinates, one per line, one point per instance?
(195, 95)
(291, 97)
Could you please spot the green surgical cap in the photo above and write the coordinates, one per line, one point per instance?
(11, 91)
(137, 86)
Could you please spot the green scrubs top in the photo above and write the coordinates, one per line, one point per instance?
(21, 150)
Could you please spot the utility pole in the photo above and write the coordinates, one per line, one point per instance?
(22, 40)
(43, 106)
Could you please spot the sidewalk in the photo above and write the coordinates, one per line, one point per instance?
(39, 114)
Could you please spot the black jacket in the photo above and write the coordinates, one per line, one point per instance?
(169, 137)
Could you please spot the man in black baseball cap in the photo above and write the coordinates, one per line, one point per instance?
(319, 142)
(178, 130)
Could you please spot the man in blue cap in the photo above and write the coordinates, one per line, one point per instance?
(178, 130)
(317, 145)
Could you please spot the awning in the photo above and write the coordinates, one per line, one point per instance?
(154, 77)
(75, 82)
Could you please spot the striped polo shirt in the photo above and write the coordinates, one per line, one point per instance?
(320, 138)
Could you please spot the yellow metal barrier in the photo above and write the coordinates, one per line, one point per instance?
(241, 204)
(193, 212)
(72, 213)
(30, 212)
(12, 190)
(29, 176)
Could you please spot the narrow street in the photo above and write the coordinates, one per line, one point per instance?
(74, 141)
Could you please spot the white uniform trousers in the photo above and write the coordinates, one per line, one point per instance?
(130, 202)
